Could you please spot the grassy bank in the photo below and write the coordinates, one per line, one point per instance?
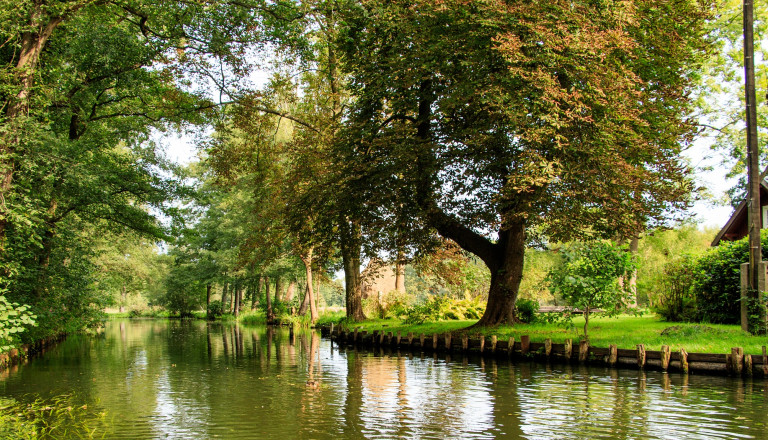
(624, 331)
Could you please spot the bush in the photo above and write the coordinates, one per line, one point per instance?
(527, 309)
(393, 304)
(215, 309)
(14, 319)
(436, 308)
(675, 300)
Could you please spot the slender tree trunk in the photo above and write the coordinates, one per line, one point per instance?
(634, 244)
(270, 313)
(309, 297)
(123, 296)
(208, 288)
(586, 322)
(236, 299)
(224, 295)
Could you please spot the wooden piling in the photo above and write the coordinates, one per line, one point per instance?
(748, 365)
(390, 338)
(613, 355)
(765, 362)
(737, 360)
(399, 336)
(448, 338)
(640, 356)
(583, 351)
(525, 344)
(410, 339)
(354, 338)
(547, 347)
(464, 342)
(494, 340)
(511, 346)
(665, 354)
(568, 349)
(482, 344)
(421, 341)
(684, 360)
(434, 341)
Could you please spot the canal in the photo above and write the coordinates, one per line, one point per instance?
(198, 380)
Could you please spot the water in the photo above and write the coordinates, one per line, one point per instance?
(178, 380)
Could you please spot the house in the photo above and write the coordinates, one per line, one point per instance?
(736, 228)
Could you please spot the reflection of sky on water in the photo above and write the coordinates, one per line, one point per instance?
(195, 380)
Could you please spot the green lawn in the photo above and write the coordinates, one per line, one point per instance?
(625, 331)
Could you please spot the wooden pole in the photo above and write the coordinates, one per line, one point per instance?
(568, 349)
(494, 340)
(525, 344)
(665, 354)
(753, 161)
(684, 360)
(640, 356)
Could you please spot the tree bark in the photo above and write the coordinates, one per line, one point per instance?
(400, 273)
(290, 291)
(270, 312)
(278, 289)
(123, 295)
(309, 297)
(236, 299)
(350, 253)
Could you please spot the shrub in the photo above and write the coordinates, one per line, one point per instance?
(215, 309)
(675, 300)
(14, 319)
(439, 307)
(527, 309)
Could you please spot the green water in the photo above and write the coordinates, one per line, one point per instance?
(171, 379)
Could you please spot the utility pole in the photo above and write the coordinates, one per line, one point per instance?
(753, 156)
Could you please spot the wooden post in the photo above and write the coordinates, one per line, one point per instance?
(665, 357)
(381, 337)
(434, 341)
(448, 341)
(464, 342)
(583, 351)
(410, 339)
(399, 336)
(525, 344)
(748, 364)
(765, 362)
(331, 330)
(547, 347)
(684, 360)
(737, 360)
(421, 340)
(390, 337)
(568, 349)
(613, 355)
(482, 344)
(494, 340)
(511, 346)
(640, 356)
(354, 339)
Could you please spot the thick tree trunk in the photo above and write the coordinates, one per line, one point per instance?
(506, 275)
(290, 291)
(278, 289)
(400, 274)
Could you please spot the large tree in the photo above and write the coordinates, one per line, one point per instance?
(507, 121)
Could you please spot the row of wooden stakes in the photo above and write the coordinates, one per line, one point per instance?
(734, 363)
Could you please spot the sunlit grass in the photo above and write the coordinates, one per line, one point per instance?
(626, 331)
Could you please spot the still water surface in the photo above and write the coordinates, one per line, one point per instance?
(191, 379)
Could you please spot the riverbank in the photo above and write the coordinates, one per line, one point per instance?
(626, 332)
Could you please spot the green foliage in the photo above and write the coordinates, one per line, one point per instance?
(392, 304)
(58, 417)
(527, 309)
(675, 300)
(588, 277)
(717, 283)
(436, 308)
(14, 319)
(215, 309)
